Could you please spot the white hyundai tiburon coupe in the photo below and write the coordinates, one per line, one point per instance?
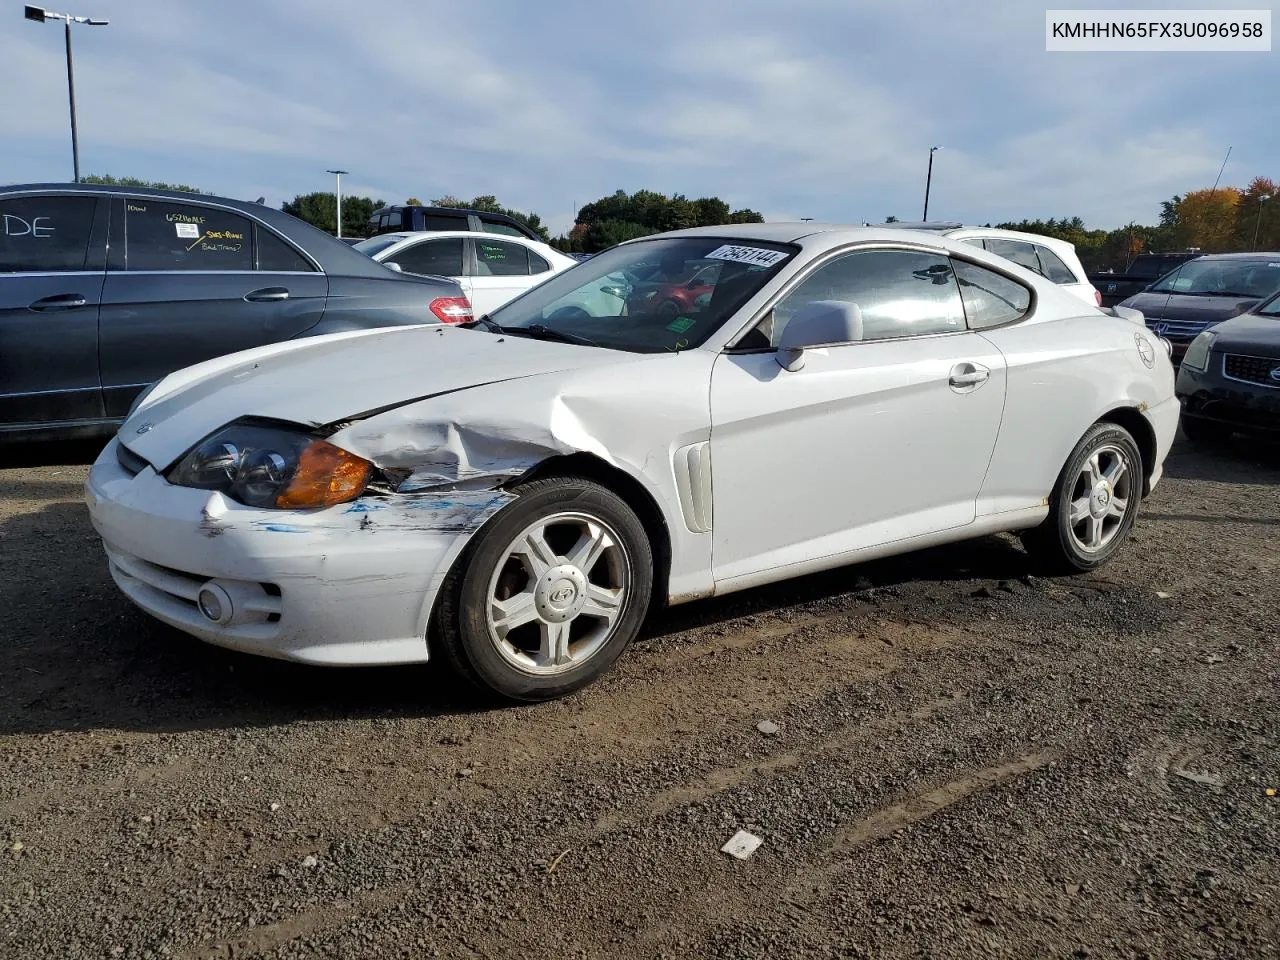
(513, 495)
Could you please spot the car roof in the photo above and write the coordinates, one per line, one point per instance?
(334, 257)
(793, 231)
(999, 232)
(401, 235)
(1256, 255)
(248, 206)
(473, 234)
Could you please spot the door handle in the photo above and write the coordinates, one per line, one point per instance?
(62, 301)
(267, 295)
(969, 375)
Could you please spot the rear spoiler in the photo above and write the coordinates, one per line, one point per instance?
(1125, 313)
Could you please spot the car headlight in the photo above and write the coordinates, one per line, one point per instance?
(1197, 355)
(269, 466)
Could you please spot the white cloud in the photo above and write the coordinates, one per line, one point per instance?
(821, 107)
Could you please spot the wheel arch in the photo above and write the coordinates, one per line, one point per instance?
(1144, 435)
(588, 466)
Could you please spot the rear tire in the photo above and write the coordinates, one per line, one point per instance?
(548, 594)
(1093, 504)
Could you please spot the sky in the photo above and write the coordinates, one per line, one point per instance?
(794, 108)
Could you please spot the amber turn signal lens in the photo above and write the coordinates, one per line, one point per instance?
(326, 475)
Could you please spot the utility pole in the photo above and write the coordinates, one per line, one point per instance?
(929, 182)
(40, 15)
(1258, 223)
(338, 174)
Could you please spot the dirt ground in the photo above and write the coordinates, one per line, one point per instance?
(969, 762)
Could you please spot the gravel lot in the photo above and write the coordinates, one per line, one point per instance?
(969, 762)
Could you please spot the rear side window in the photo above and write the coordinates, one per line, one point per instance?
(537, 264)
(279, 257)
(392, 220)
(440, 221)
(1023, 254)
(494, 258)
(440, 257)
(1053, 267)
(178, 236)
(45, 234)
(492, 226)
(990, 299)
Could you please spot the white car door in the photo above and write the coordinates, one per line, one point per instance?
(501, 270)
(869, 442)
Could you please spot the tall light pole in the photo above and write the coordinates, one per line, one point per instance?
(40, 15)
(1258, 223)
(929, 181)
(339, 174)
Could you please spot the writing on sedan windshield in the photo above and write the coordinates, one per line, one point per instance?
(36, 227)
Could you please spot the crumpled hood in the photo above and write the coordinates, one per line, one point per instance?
(323, 380)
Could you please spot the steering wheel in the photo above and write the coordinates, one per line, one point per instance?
(570, 313)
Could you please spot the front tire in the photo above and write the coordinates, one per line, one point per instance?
(1093, 505)
(548, 594)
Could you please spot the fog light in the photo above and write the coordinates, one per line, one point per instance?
(210, 605)
(214, 603)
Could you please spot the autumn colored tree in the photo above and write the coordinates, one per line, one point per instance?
(1204, 218)
(1257, 224)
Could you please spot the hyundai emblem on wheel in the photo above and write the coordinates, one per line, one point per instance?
(144, 428)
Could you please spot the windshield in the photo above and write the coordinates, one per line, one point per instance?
(1270, 308)
(375, 245)
(648, 296)
(1222, 278)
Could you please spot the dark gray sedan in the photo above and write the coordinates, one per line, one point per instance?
(1229, 381)
(1204, 291)
(104, 290)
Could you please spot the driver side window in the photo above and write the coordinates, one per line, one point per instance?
(900, 293)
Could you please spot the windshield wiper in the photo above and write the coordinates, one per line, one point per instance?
(539, 331)
(484, 322)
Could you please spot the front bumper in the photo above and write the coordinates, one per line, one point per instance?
(1163, 418)
(352, 584)
(1236, 404)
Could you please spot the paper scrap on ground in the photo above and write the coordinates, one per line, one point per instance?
(742, 845)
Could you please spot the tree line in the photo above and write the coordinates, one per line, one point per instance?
(1214, 220)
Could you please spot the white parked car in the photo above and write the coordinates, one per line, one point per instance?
(1053, 259)
(491, 268)
(513, 495)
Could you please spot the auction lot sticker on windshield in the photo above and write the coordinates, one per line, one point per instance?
(188, 231)
(757, 256)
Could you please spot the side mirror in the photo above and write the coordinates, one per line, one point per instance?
(392, 265)
(613, 290)
(815, 324)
